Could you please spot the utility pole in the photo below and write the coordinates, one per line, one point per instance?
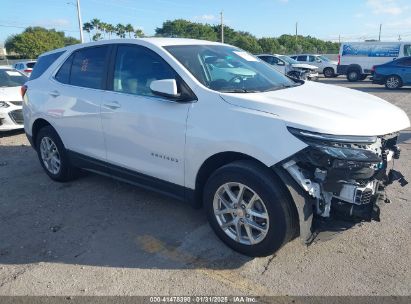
(379, 36)
(222, 27)
(296, 31)
(399, 38)
(339, 39)
(80, 22)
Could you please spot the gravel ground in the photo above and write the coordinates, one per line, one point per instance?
(96, 236)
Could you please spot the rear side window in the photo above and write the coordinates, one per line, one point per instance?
(302, 58)
(44, 63)
(85, 68)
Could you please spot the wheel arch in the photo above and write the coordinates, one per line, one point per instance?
(354, 67)
(36, 127)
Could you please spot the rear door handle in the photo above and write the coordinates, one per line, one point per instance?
(54, 93)
(113, 105)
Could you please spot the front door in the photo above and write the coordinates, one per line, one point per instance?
(144, 133)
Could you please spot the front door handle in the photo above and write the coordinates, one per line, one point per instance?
(113, 105)
(54, 93)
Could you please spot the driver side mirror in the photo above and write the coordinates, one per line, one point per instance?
(165, 88)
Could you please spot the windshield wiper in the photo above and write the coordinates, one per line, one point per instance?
(239, 91)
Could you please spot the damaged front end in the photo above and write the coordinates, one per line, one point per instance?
(339, 177)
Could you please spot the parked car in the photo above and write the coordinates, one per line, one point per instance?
(393, 74)
(291, 67)
(26, 67)
(11, 115)
(267, 155)
(356, 59)
(325, 66)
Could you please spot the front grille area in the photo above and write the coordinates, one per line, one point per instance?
(363, 196)
(17, 116)
(16, 102)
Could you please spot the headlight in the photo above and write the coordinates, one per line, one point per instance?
(339, 146)
(4, 104)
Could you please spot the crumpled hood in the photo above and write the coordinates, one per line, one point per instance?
(304, 66)
(10, 94)
(326, 109)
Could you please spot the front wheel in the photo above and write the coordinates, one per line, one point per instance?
(393, 82)
(249, 209)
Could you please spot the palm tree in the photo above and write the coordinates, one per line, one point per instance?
(110, 30)
(103, 28)
(88, 27)
(129, 29)
(120, 30)
(96, 23)
(138, 33)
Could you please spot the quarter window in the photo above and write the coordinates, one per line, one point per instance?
(407, 50)
(136, 67)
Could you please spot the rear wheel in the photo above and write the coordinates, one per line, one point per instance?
(329, 72)
(249, 209)
(353, 75)
(53, 155)
(393, 82)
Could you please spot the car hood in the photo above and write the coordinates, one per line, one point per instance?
(326, 109)
(10, 94)
(304, 66)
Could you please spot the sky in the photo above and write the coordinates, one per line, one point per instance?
(348, 20)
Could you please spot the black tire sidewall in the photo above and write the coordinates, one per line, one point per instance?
(273, 197)
(65, 172)
(330, 75)
(355, 78)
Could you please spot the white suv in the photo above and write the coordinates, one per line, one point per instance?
(325, 66)
(208, 123)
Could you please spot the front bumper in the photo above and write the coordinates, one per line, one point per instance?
(333, 190)
(11, 119)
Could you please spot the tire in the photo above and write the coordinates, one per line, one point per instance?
(48, 137)
(329, 73)
(393, 82)
(271, 201)
(353, 75)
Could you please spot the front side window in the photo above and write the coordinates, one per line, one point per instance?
(88, 66)
(312, 58)
(136, 67)
(228, 69)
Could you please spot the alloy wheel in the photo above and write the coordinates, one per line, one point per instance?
(241, 213)
(393, 82)
(50, 155)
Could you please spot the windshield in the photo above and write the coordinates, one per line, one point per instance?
(288, 59)
(228, 69)
(11, 78)
(323, 58)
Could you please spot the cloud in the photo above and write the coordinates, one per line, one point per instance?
(53, 22)
(386, 7)
(205, 18)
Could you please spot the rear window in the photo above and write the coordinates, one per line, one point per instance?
(84, 68)
(30, 65)
(44, 63)
(11, 78)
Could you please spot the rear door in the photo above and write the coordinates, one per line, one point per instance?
(144, 133)
(75, 100)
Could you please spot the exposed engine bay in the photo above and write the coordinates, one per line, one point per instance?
(345, 176)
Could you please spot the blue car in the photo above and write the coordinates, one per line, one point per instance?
(393, 74)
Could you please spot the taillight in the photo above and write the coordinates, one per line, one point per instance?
(339, 59)
(23, 90)
(27, 71)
